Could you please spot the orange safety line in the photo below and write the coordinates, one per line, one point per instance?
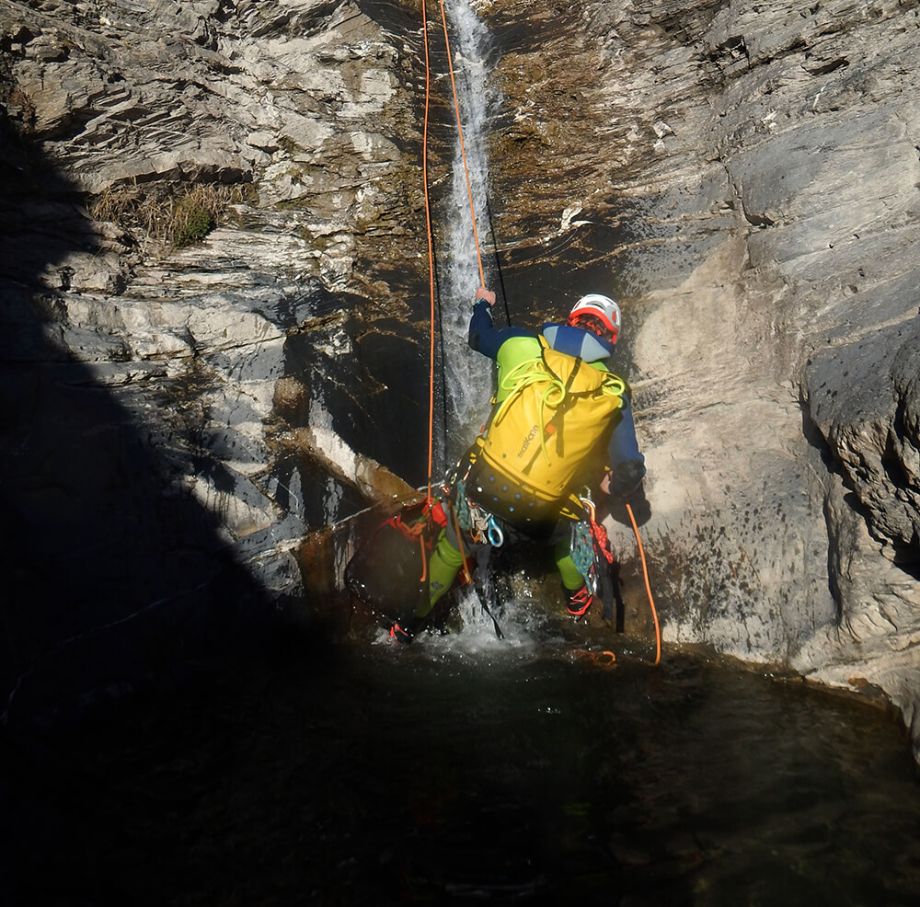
(424, 577)
(431, 285)
(648, 587)
(466, 168)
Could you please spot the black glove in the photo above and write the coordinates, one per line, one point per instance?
(626, 478)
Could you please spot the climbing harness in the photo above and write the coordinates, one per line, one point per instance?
(584, 553)
(592, 556)
(466, 519)
(479, 523)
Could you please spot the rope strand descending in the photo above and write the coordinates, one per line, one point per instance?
(431, 286)
(648, 586)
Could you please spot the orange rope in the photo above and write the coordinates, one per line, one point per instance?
(421, 542)
(466, 168)
(460, 546)
(605, 660)
(416, 531)
(431, 286)
(648, 587)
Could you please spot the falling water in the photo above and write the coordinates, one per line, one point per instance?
(468, 375)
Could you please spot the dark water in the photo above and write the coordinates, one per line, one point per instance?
(377, 775)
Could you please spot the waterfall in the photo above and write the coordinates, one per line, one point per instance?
(468, 374)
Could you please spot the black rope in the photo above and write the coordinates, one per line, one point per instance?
(442, 358)
(485, 587)
(498, 263)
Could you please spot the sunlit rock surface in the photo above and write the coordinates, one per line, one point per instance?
(756, 168)
(742, 176)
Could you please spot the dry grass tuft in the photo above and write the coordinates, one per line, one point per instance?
(164, 216)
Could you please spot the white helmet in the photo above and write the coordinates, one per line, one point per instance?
(601, 307)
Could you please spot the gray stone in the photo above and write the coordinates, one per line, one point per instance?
(863, 399)
(766, 265)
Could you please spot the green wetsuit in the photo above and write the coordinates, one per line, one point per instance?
(446, 559)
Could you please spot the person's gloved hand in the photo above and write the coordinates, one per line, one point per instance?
(626, 478)
(487, 295)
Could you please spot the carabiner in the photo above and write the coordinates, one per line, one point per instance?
(588, 504)
(494, 534)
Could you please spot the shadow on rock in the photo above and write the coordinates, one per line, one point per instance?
(115, 579)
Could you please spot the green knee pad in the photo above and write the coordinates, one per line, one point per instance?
(443, 567)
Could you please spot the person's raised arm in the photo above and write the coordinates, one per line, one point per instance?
(484, 337)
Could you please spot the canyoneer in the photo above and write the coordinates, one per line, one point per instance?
(561, 424)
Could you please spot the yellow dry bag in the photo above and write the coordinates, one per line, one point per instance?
(556, 409)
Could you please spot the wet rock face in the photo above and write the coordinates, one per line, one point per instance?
(744, 179)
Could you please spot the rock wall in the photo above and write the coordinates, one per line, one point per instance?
(170, 441)
(756, 170)
(742, 176)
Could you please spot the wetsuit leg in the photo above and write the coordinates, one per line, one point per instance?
(571, 578)
(443, 567)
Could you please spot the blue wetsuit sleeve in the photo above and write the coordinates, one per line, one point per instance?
(484, 337)
(624, 446)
